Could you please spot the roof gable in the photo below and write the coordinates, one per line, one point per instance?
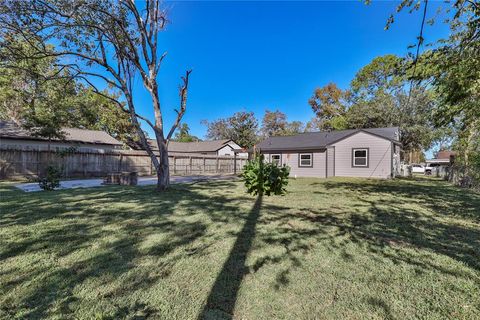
(377, 132)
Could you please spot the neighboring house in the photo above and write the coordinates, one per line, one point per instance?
(224, 147)
(444, 157)
(14, 136)
(370, 153)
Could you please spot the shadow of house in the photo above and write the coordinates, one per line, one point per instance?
(223, 295)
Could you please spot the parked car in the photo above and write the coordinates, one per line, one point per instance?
(431, 168)
(418, 168)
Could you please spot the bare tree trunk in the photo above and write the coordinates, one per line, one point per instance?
(163, 170)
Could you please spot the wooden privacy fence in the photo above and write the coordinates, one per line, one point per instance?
(15, 163)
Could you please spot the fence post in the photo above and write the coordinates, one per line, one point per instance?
(38, 163)
(216, 166)
(204, 165)
(120, 163)
(190, 164)
(234, 163)
(174, 165)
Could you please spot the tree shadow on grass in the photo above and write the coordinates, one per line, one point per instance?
(439, 196)
(387, 227)
(161, 228)
(223, 295)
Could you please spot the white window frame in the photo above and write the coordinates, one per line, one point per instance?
(279, 158)
(367, 153)
(300, 165)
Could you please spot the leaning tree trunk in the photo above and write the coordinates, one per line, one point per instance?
(163, 169)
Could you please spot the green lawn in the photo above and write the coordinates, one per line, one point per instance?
(334, 248)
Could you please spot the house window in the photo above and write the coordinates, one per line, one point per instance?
(360, 157)
(305, 160)
(276, 159)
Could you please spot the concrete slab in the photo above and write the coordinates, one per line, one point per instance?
(142, 181)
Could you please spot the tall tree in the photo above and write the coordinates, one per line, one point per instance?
(329, 103)
(217, 129)
(274, 123)
(241, 127)
(382, 96)
(294, 127)
(33, 96)
(183, 134)
(384, 75)
(244, 129)
(112, 41)
(452, 68)
(89, 110)
(28, 96)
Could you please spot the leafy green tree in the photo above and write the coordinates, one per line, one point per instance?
(384, 75)
(183, 134)
(383, 96)
(294, 127)
(90, 110)
(38, 96)
(329, 104)
(241, 127)
(380, 95)
(31, 94)
(452, 70)
(377, 112)
(217, 129)
(274, 123)
(107, 41)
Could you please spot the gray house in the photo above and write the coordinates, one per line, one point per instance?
(369, 153)
(14, 136)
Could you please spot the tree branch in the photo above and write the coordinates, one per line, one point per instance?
(183, 104)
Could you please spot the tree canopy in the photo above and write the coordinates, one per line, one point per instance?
(275, 123)
(241, 127)
(107, 41)
(329, 103)
(183, 134)
(38, 96)
(379, 96)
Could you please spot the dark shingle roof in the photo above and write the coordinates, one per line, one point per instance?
(9, 129)
(193, 147)
(315, 140)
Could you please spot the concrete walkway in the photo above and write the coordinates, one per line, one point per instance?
(142, 181)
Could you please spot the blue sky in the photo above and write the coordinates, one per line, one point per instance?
(254, 56)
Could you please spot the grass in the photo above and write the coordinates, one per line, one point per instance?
(332, 248)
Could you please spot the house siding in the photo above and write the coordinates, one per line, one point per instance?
(228, 150)
(330, 162)
(225, 151)
(379, 158)
(318, 168)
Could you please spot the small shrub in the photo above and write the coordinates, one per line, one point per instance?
(51, 180)
(265, 178)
